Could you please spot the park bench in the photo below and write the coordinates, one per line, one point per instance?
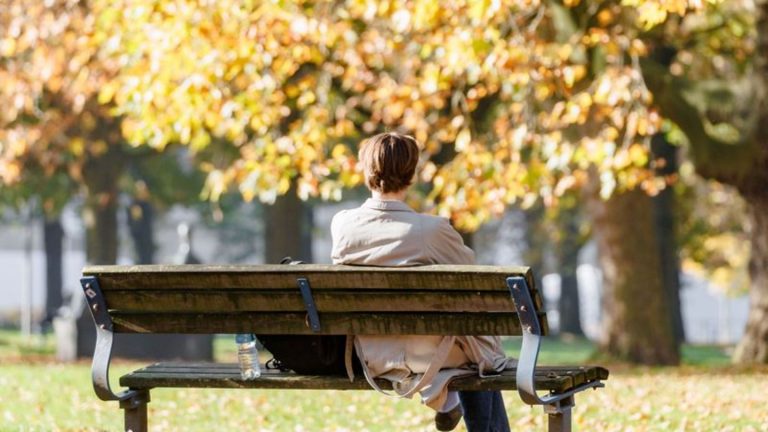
(322, 299)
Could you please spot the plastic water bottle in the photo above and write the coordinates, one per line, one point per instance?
(247, 356)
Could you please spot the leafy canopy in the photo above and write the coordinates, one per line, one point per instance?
(512, 100)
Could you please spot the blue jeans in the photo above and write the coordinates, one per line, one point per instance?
(484, 411)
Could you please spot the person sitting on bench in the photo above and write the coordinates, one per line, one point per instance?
(385, 231)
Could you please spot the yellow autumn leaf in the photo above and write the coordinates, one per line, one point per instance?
(283, 185)
(463, 138)
(339, 151)
(77, 146)
(638, 154)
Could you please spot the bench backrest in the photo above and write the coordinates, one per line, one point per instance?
(266, 299)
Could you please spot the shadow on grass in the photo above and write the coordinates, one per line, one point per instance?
(570, 350)
(564, 350)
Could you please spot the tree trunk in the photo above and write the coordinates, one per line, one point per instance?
(638, 324)
(288, 229)
(567, 257)
(140, 217)
(570, 314)
(743, 165)
(664, 205)
(101, 175)
(536, 245)
(101, 228)
(53, 238)
(753, 347)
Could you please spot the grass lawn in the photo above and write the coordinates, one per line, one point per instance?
(705, 394)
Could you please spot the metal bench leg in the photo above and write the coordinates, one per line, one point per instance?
(136, 412)
(559, 414)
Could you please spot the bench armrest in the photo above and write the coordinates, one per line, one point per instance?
(102, 353)
(529, 351)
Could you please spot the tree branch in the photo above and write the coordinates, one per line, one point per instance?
(715, 159)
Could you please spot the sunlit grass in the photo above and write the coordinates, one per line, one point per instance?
(36, 393)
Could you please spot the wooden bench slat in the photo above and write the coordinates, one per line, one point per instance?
(326, 301)
(282, 269)
(227, 375)
(321, 277)
(590, 372)
(259, 298)
(586, 373)
(287, 380)
(332, 323)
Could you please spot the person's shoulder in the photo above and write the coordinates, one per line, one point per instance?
(344, 217)
(434, 224)
(341, 213)
(434, 219)
(446, 245)
(340, 216)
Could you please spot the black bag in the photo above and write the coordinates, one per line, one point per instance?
(306, 354)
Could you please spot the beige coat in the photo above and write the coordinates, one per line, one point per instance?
(389, 233)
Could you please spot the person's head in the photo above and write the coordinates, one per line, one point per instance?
(389, 161)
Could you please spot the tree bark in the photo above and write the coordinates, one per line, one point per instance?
(567, 257)
(664, 210)
(753, 347)
(638, 324)
(53, 239)
(570, 314)
(288, 229)
(140, 217)
(100, 175)
(536, 245)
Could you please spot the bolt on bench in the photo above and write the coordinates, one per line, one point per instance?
(322, 299)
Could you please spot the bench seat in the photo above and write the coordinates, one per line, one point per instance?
(556, 379)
